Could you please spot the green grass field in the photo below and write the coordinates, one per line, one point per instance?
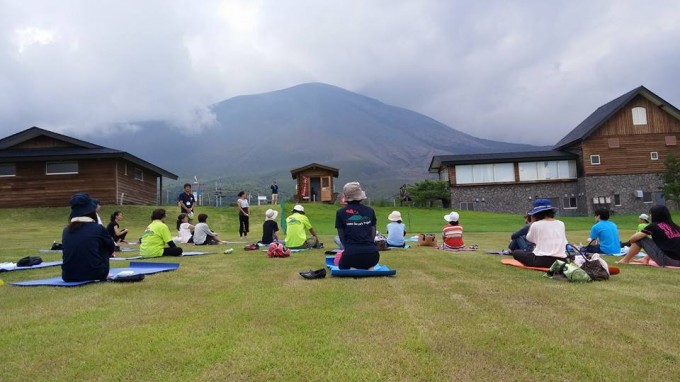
(243, 316)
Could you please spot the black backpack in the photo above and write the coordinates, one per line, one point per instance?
(29, 261)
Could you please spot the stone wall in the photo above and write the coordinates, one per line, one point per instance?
(624, 186)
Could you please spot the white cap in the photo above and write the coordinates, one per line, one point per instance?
(644, 217)
(299, 208)
(452, 217)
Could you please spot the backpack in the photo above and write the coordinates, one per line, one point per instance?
(278, 250)
(561, 270)
(29, 261)
(57, 246)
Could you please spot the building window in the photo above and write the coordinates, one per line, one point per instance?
(569, 203)
(654, 155)
(646, 197)
(8, 169)
(467, 206)
(139, 174)
(617, 199)
(595, 160)
(485, 173)
(61, 168)
(547, 170)
(639, 116)
(444, 174)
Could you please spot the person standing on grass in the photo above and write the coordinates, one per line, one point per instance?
(664, 245)
(243, 215)
(87, 246)
(547, 233)
(396, 230)
(275, 192)
(156, 236)
(187, 201)
(356, 223)
(298, 224)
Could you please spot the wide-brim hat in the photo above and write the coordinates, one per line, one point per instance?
(644, 217)
(82, 205)
(353, 191)
(271, 214)
(541, 205)
(452, 217)
(394, 216)
(298, 208)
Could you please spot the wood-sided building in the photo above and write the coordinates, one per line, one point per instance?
(610, 160)
(40, 168)
(314, 183)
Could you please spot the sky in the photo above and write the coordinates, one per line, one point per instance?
(514, 71)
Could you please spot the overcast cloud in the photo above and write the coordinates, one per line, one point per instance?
(519, 71)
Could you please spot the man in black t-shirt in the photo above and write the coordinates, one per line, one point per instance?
(186, 201)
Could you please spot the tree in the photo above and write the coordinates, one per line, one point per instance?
(671, 179)
(427, 191)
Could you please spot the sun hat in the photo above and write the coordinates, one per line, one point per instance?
(452, 217)
(271, 214)
(299, 208)
(394, 216)
(353, 191)
(644, 217)
(81, 205)
(541, 205)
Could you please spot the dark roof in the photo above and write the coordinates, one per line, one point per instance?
(606, 111)
(524, 156)
(79, 150)
(311, 166)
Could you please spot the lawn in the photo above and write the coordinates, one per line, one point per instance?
(242, 316)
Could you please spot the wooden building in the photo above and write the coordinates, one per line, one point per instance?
(40, 168)
(610, 160)
(314, 183)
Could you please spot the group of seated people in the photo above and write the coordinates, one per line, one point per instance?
(543, 239)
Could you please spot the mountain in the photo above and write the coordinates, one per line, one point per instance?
(263, 136)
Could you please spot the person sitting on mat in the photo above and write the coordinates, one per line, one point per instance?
(664, 245)
(395, 230)
(547, 233)
(114, 230)
(156, 236)
(203, 235)
(518, 240)
(452, 233)
(297, 224)
(270, 227)
(185, 230)
(87, 246)
(604, 235)
(356, 223)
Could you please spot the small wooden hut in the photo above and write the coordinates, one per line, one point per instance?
(314, 183)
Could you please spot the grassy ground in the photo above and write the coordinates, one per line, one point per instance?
(445, 316)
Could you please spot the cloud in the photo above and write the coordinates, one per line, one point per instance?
(523, 71)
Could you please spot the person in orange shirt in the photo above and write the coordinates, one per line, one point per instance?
(452, 233)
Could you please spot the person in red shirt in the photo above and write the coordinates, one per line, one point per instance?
(452, 233)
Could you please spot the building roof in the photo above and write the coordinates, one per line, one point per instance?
(315, 166)
(524, 156)
(606, 111)
(78, 150)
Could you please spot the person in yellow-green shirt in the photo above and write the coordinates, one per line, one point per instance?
(297, 224)
(156, 236)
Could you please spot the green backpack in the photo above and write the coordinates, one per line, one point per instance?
(561, 270)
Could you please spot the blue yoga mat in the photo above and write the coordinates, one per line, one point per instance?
(378, 271)
(135, 266)
(41, 265)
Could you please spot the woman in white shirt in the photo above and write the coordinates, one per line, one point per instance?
(548, 233)
(243, 215)
(185, 229)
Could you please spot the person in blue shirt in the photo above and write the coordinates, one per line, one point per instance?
(604, 235)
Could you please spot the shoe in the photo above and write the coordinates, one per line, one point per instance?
(251, 247)
(317, 274)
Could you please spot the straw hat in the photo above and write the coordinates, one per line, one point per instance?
(394, 216)
(353, 191)
(271, 214)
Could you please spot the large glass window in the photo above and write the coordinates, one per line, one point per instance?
(485, 173)
(530, 171)
(59, 168)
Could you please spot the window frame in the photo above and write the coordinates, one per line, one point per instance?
(639, 115)
(141, 174)
(654, 155)
(592, 161)
(8, 165)
(48, 163)
(569, 200)
(617, 200)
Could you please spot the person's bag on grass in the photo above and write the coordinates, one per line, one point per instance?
(29, 261)
(593, 264)
(278, 250)
(561, 270)
(427, 240)
(57, 246)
